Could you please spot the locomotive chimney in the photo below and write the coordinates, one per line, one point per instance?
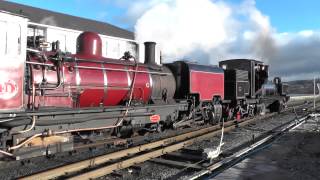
(149, 53)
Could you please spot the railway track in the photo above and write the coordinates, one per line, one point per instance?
(106, 164)
(219, 166)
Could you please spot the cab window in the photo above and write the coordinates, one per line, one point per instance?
(3, 37)
(10, 39)
(13, 39)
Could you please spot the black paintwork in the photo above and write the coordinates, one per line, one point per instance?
(256, 77)
(150, 53)
(236, 84)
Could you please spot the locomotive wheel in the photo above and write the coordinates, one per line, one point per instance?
(212, 119)
(263, 109)
(230, 114)
(124, 131)
(281, 106)
(215, 115)
(160, 127)
(251, 112)
(276, 106)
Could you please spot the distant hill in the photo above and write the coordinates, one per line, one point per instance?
(302, 86)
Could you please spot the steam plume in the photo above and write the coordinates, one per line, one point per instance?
(207, 31)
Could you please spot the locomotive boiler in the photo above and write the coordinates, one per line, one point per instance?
(86, 79)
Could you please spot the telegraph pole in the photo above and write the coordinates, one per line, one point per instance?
(314, 93)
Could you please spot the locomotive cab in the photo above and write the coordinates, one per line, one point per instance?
(12, 57)
(256, 72)
(248, 89)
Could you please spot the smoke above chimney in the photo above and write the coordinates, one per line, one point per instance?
(206, 30)
(211, 30)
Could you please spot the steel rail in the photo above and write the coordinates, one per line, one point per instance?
(78, 166)
(247, 151)
(115, 155)
(156, 153)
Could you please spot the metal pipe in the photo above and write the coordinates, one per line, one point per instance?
(60, 132)
(130, 97)
(33, 50)
(32, 126)
(6, 153)
(123, 70)
(33, 106)
(80, 111)
(7, 120)
(102, 117)
(59, 82)
(108, 69)
(24, 142)
(42, 64)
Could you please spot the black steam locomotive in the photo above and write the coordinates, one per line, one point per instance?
(248, 90)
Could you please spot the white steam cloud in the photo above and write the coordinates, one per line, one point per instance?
(208, 31)
(181, 26)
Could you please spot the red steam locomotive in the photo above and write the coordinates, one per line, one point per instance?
(48, 99)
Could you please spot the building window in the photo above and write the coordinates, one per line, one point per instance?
(132, 47)
(3, 37)
(106, 49)
(10, 38)
(36, 36)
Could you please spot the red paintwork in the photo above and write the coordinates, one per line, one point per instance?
(207, 84)
(45, 101)
(155, 118)
(238, 115)
(89, 86)
(118, 86)
(81, 87)
(60, 97)
(94, 91)
(89, 44)
(11, 86)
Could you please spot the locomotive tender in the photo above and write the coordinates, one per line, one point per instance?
(51, 99)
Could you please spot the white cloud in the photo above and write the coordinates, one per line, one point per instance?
(207, 30)
(212, 30)
(306, 33)
(181, 26)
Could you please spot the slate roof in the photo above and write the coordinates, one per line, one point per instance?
(41, 16)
